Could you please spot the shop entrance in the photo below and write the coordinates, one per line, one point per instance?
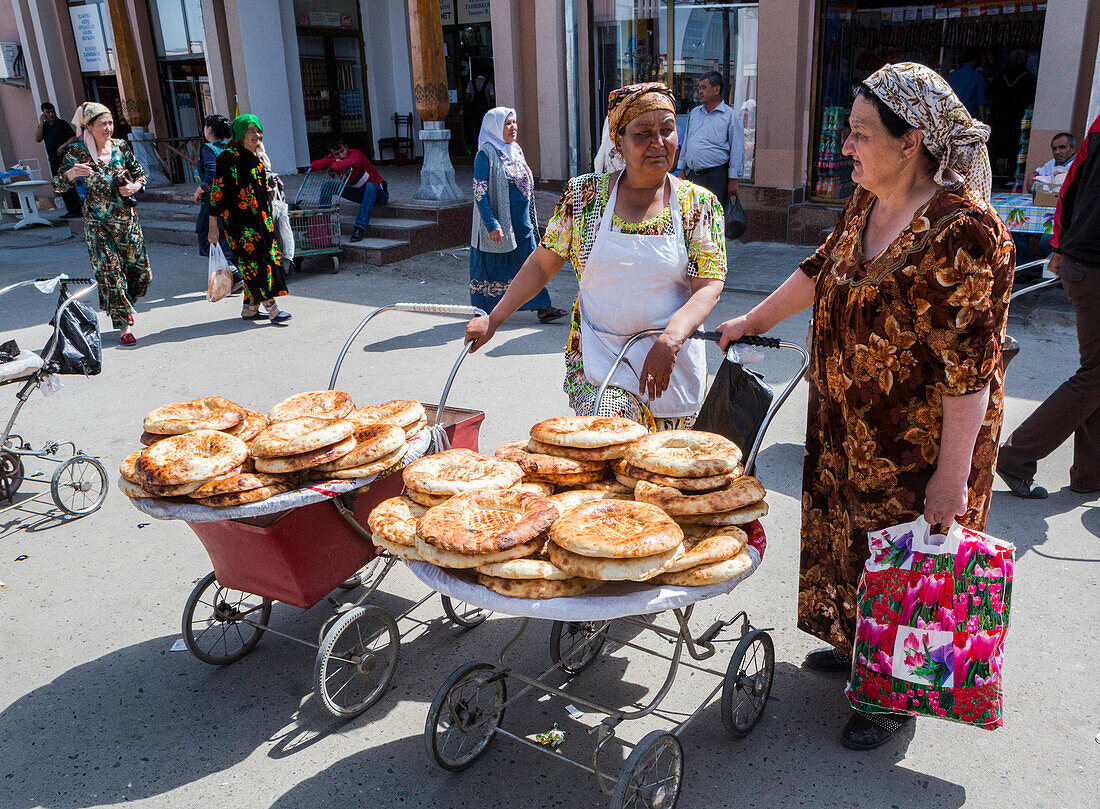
(333, 84)
(470, 81)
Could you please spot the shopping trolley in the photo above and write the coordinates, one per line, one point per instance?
(315, 217)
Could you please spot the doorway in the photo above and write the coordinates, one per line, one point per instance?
(333, 89)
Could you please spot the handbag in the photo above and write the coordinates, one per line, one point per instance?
(735, 405)
(931, 619)
(736, 224)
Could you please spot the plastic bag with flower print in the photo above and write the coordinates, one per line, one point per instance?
(931, 621)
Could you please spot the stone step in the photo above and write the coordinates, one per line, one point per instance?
(378, 251)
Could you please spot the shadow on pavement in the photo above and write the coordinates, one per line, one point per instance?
(773, 459)
(1027, 522)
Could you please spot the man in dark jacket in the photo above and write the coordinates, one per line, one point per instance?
(365, 185)
(1074, 408)
(56, 135)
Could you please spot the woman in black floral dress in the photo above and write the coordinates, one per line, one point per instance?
(240, 198)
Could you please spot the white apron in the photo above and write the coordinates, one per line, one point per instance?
(630, 284)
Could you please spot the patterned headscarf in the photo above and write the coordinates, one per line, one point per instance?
(924, 99)
(241, 123)
(627, 103)
(85, 114)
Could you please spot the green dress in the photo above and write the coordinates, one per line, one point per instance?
(116, 245)
(241, 199)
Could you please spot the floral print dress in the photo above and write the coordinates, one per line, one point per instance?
(241, 199)
(890, 338)
(116, 245)
(571, 233)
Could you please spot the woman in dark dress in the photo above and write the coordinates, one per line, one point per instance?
(241, 200)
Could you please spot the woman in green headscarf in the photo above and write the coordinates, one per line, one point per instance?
(240, 199)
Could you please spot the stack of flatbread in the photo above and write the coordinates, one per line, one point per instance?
(434, 479)
(696, 478)
(574, 452)
(208, 413)
(404, 413)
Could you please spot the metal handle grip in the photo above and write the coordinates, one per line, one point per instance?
(761, 342)
(68, 280)
(439, 309)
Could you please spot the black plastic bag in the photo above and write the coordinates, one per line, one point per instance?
(735, 220)
(9, 351)
(79, 349)
(736, 405)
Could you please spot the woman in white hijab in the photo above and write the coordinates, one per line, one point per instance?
(503, 233)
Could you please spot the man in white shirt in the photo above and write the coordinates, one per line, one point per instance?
(712, 150)
(1063, 146)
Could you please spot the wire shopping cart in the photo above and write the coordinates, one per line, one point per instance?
(315, 217)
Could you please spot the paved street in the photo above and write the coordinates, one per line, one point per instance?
(96, 709)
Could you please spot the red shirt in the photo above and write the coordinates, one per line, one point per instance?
(363, 171)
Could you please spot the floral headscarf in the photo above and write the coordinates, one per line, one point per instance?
(924, 99)
(85, 114)
(627, 103)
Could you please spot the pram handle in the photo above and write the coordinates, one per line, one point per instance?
(80, 281)
(429, 308)
(753, 340)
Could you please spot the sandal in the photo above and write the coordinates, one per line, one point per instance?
(128, 339)
(252, 313)
(866, 731)
(549, 314)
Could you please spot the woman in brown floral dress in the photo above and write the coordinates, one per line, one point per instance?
(910, 296)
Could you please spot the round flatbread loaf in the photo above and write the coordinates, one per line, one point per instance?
(739, 492)
(545, 467)
(486, 521)
(607, 453)
(208, 413)
(395, 520)
(575, 497)
(684, 454)
(535, 487)
(617, 529)
(640, 568)
(243, 498)
(400, 412)
(237, 481)
(460, 470)
(739, 516)
(254, 423)
(297, 435)
(371, 443)
(611, 487)
(425, 499)
(630, 475)
(326, 404)
(373, 468)
(176, 490)
(587, 432)
(148, 439)
(461, 561)
(190, 457)
(131, 489)
(538, 588)
(400, 551)
(413, 429)
(528, 568)
(307, 460)
(718, 545)
(128, 467)
(709, 574)
(578, 479)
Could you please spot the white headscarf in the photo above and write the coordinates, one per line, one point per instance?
(511, 155)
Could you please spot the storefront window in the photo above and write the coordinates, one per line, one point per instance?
(177, 25)
(859, 37)
(631, 44)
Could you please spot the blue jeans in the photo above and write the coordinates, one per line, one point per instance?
(1023, 252)
(368, 196)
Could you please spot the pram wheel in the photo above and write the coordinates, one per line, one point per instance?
(356, 661)
(748, 682)
(335, 265)
(652, 774)
(577, 645)
(232, 624)
(11, 475)
(465, 615)
(465, 713)
(79, 485)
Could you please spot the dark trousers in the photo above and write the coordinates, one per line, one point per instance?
(73, 206)
(715, 180)
(1074, 408)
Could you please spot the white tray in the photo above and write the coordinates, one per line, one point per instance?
(314, 493)
(613, 600)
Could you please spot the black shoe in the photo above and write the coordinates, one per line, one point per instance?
(828, 660)
(72, 216)
(866, 731)
(357, 235)
(1022, 488)
(1080, 490)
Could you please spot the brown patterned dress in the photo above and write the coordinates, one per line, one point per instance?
(891, 336)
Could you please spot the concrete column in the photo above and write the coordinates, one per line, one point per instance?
(1067, 63)
(51, 70)
(553, 107)
(389, 65)
(784, 88)
(219, 57)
